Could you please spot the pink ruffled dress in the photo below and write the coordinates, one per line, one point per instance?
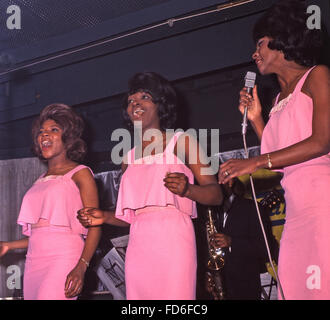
(48, 217)
(161, 254)
(304, 259)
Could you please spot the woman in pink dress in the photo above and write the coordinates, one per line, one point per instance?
(157, 196)
(295, 140)
(57, 255)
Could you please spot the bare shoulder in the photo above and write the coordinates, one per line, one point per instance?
(186, 145)
(318, 79)
(187, 138)
(320, 73)
(83, 176)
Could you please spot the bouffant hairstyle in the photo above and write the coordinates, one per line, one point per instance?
(286, 23)
(71, 124)
(162, 93)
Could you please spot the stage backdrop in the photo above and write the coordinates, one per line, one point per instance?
(17, 176)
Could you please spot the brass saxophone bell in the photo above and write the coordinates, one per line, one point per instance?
(217, 260)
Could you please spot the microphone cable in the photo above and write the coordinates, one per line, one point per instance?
(259, 215)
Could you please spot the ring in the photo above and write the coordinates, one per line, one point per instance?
(227, 173)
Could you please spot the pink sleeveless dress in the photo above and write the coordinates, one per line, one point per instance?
(161, 254)
(304, 259)
(48, 217)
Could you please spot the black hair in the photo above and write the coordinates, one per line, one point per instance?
(72, 125)
(162, 93)
(286, 24)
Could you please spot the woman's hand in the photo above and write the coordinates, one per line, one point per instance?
(75, 280)
(177, 183)
(235, 168)
(252, 103)
(4, 248)
(89, 217)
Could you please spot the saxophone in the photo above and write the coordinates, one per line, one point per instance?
(215, 263)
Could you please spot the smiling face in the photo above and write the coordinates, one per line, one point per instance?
(140, 107)
(267, 60)
(50, 141)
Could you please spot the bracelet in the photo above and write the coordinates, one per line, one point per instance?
(85, 262)
(269, 163)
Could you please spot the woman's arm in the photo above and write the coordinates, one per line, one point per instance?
(317, 87)
(6, 246)
(207, 192)
(96, 217)
(89, 196)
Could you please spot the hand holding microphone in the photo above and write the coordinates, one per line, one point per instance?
(250, 79)
(249, 100)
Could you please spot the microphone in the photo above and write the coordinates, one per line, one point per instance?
(250, 80)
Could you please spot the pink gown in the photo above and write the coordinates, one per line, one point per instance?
(48, 217)
(304, 259)
(161, 254)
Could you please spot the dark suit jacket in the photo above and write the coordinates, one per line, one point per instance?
(248, 255)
